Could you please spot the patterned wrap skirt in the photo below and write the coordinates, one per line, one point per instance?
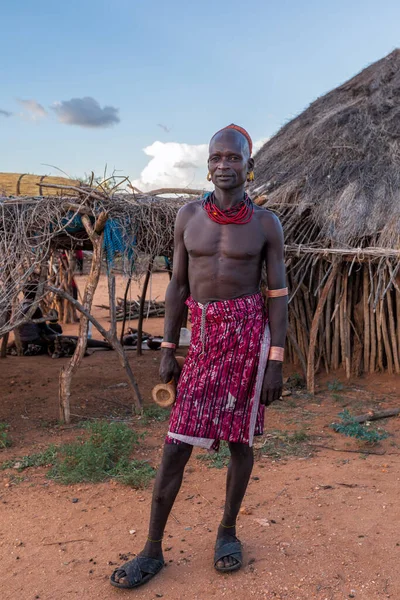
(218, 394)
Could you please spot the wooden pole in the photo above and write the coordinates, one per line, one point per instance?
(314, 329)
(96, 237)
(398, 319)
(128, 285)
(392, 328)
(367, 331)
(141, 308)
(116, 344)
(346, 326)
(112, 341)
(4, 342)
(336, 332)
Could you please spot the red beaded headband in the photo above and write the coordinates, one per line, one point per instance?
(240, 130)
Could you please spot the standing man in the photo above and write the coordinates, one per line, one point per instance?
(234, 365)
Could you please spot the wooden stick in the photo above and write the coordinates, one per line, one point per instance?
(314, 329)
(111, 297)
(128, 285)
(392, 328)
(372, 362)
(90, 288)
(141, 307)
(346, 450)
(296, 348)
(367, 331)
(187, 191)
(398, 319)
(379, 335)
(374, 415)
(67, 542)
(328, 327)
(114, 342)
(346, 326)
(4, 342)
(385, 337)
(336, 334)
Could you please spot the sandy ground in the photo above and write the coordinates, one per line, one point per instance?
(319, 523)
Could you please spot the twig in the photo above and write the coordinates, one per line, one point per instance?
(174, 517)
(343, 450)
(67, 542)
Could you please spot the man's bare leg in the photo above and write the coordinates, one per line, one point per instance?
(239, 471)
(166, 487)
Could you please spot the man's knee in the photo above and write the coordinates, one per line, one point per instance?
(177, 454)
(240, 451)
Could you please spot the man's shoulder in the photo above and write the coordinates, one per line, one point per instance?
(189, 209)
(267, 217)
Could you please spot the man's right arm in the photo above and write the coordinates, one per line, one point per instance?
(176, 295)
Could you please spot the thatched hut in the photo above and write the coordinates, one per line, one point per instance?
(332, 175)
(25, 184)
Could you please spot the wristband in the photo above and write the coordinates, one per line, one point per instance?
(277, 293)
(276, 353)
(168, 345)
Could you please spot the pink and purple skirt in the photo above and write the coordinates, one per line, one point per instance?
(218, 395)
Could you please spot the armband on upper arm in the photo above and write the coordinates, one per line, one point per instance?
(277, 293)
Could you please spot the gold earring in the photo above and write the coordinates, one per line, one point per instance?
(209, 178)
(250, 176)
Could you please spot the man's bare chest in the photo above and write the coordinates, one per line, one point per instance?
(206, 238)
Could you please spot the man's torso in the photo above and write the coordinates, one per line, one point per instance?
(225, 261)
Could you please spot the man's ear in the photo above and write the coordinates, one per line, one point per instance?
(250, 164)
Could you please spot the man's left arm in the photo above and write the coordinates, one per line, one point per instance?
(277, 307)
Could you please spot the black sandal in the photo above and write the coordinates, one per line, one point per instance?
(225, 548)
(138, 572)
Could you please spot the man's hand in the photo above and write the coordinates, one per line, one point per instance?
(273, 381)
(169, 368)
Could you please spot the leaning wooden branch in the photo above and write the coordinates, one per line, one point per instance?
(375, 415)
(112, 341)
(96, 237)
(314, 330)
(187, 191)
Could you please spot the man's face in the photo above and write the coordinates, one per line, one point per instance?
(228, 160)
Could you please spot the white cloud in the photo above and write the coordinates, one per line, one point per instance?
(85, 112)
(174, 165)
(177, 165)
(34, 110)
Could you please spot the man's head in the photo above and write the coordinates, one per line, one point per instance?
(229, 160)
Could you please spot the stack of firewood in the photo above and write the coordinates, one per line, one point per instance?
(152, 308)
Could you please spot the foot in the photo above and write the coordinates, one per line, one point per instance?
(151, 550)
(227, 536)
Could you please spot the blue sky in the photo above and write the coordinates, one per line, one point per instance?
(191, 67)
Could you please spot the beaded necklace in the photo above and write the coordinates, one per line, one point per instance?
(237, 215)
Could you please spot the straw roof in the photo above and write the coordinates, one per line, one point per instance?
(24, 184)
(333, 172)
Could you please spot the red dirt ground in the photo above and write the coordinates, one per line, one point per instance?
(317, 523)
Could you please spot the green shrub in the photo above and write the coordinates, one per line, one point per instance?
(95, 458)
(364, 433)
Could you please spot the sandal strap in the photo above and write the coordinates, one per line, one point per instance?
(224, 549)
(137, 568)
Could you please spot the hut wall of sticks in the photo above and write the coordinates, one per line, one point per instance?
(332, 175)
(133, 227)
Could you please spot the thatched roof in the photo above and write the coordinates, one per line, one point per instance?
(333, 172)
(25, 184)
